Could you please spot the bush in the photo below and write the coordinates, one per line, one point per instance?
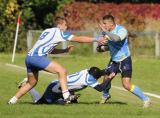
(82, 15)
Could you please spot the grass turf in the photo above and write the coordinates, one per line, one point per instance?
(122, 104)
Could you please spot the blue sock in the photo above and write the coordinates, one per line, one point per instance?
(138, 92)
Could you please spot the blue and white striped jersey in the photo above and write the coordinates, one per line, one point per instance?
(77, 81)
(119, 50)
(48, 40)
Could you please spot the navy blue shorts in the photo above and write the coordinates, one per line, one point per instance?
(36, 63)
(50, 95)
(124, 67)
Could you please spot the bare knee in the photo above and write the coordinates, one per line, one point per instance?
(126, 86)
(62, 72)
(32, 81)
(126, 83)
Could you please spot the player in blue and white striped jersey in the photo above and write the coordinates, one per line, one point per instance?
(36, 59)
(75, 82)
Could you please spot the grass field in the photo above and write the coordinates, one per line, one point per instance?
(146, 74)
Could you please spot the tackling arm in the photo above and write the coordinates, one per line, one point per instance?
(82, 39)
(102, 86)
(85, 39)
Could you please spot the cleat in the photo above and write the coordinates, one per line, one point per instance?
(146, 103)
(71, 98)
(75, 100)
(105, 99)
(13, 100)
(22, 83)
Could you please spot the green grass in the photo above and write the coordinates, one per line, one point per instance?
(122, 104)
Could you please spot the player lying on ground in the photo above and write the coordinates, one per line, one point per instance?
(120, 61)
(37, 60)
(75, 82)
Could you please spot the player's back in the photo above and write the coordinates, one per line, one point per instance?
(80, 80)
(76, 81)
(48, 39)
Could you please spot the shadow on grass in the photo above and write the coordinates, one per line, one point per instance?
(80, 103)
(109, 102)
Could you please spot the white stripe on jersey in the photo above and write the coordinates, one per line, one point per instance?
(80, 80)
(48, 40)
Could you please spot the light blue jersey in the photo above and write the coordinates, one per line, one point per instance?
(119, 50)
(77, 81)
(48, 40)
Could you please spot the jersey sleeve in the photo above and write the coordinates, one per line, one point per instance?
(66, 35)
(91, 81)
(122, 33)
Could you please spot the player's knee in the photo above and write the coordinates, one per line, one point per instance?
(33, 82)
(126, 85)
(63, 72)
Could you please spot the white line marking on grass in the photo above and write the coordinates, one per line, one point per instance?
(23, 68)
(147, 93)
(119, 88)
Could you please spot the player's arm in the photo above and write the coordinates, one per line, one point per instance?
(85, 39)
(59, 51)
(102, 48)
(122, 34)
(119, 36)
(82, 39)
(102, 86)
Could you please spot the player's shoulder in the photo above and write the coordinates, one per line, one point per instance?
(120, 27)
(84, 71)
(51, 29)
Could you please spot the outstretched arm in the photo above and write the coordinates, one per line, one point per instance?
(85, 39)
(102, 86)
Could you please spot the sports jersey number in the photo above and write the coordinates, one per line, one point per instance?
(43, 35)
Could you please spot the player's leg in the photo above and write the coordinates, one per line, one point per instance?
(32, 81)
(54, 67)
(33, 93)
(51, 94)
(106, 95)
(110, 71)
(126, 71)
(135, 90)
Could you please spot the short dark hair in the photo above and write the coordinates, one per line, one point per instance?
(109, 17)
(95, 72)
(59, 20)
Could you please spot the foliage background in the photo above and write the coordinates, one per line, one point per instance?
(40, 14)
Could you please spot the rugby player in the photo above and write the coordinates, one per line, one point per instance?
(120, 61)
(37, 60)
(75, 82)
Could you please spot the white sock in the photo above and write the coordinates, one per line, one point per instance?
(65, 94)
(35, 95)
(13, 100)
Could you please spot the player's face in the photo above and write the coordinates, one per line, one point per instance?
(63, 26)
(108, 25)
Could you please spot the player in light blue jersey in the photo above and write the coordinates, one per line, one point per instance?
(120, 61)
(37, 60)
(75, 82)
